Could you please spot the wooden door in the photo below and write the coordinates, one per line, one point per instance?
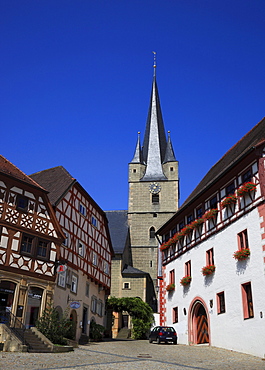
(202, 326)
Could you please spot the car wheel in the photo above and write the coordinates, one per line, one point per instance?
(175, 342)
(150, 340)
(158, 340)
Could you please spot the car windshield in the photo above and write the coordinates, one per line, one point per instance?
(167, 329)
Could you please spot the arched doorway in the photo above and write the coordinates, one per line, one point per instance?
(198, 323)
(33, 305)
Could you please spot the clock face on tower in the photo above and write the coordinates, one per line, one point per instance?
(154, 188)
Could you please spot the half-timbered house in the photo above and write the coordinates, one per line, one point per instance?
(85, 256)
(213, 254)
(30, 237)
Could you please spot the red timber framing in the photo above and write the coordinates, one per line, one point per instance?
(95, 261)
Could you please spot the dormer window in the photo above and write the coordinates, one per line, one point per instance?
(22, 203)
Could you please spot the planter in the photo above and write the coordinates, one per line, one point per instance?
(185, 280)
(170, 287)
(186, 230)
(208, 270)
(209, 215)
(228, 201)
(247, 188)
(197, 223)
(242, 254)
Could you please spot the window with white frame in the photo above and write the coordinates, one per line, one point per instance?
(66, 239)
(80, 249)
(94, 259)
(94, 221)
(126, 286)
(61, 279)
(82, 209)
(106, 268)
(74, 283)
(94, 304)
(100, 307)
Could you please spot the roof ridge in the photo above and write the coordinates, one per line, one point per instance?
(30, 180)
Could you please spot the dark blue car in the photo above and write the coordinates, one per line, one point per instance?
(163, 334)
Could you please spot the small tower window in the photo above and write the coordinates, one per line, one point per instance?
(152, 232)
(155, 198)
(134, 170)
(171, 169)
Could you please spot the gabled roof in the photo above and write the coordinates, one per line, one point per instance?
(56, 180)
(9, 169)
(248, 143)
(118, 227)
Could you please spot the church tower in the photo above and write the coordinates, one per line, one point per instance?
(153, 187)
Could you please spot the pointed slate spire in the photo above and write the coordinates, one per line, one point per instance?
(155, 142)
(138, 152)
(169, 156)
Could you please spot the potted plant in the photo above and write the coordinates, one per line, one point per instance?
(209, 215)
(229, 200)
(170, 287)
(187, 229)
(197, 223)
(242, 254)
(185, 280)
(246, 188)
(208, 270)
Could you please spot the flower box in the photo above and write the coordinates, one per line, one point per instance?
(197, 223)
(208, 270)
(246, 188)
(209, 215)
(242, 254)
(187, 230)
(185, 280)
(170, 287)
(230, 200)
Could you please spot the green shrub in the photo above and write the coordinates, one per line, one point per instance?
(96, 331)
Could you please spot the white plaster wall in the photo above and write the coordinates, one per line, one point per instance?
(228, 330)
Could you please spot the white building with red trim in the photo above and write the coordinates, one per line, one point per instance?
(216, 242)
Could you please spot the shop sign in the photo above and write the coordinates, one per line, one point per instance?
(75, 304)
(61, 268)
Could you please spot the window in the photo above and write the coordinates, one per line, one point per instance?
(230, 189)
(35, 247)
(209, 257)
(247, 177)
(22, 203)
(151, 263)
(220, 297)
(213, 202)
(172, 277)
(100, 308)
(242, 239)
(82, 209)
(181, 225)
(199, 212)
(152, 232)
(87, 289)
(106, 268)
(27, 244)
(61, 279)
(134, 170)
(94, 259)
(154, 214)
(94, 221)
(189, 219)
(155, 198)
(175, 315)
(188, 268)
(94, 304)
(74, 283)
(247, 301)
(126, 285)
(66, 240)
(171, 169)
(42, 248)
(80, 249)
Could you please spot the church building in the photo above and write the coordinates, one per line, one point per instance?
(153, 199)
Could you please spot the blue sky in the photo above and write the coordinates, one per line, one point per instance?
(75, 84)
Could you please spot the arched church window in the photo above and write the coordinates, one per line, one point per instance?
(152, 232)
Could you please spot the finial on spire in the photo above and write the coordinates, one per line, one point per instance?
(154, 61)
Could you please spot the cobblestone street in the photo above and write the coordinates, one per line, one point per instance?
(133, 355)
